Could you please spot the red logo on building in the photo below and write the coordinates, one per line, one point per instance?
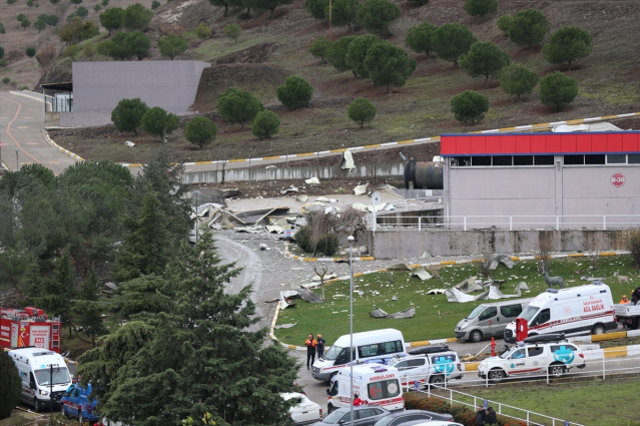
(618, 179)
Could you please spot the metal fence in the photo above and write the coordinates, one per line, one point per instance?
(613, 363)
(507, 222)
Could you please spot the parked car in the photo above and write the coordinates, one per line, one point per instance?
(432, 423)
(363, 416)
(305, 411)
(404, 417)
(432, 368)
(489, 319)
(76, 402)
(538, 355)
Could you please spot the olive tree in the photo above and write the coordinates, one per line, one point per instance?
(469, 106)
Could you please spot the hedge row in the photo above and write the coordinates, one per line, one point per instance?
(460, 413)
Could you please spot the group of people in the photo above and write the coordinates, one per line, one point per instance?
(313, 346)
(635, 297)
(486, 417)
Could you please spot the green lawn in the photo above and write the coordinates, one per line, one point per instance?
(435, 318)
(610, 403)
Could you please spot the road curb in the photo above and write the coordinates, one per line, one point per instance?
(61, 149)
(288, 254)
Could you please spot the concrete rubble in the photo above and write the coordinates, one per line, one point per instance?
(379, 313)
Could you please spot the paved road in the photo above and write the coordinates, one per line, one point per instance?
(22, 130)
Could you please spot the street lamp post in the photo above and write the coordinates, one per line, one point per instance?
(351, 240)
(196, 193)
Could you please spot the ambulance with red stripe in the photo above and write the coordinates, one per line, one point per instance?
(586, 309)
(374, 384)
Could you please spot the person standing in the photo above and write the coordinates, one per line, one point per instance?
(311, 349)
(357, 401)
(480, 416)
(320, 346)
(624, 299)
(492, 417)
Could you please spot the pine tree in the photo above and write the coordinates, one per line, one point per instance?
(88, 309)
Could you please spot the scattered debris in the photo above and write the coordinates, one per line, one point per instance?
(302, 198)
(399, 267)
(469, 285)
(347, 161)
(360, 189)
(312, 181)
(290, 189)
(285, 325)
(456, 296)
(422, 274)
(327, 277)
(264, 247)
(437, 291)
(379, 313)
(496, 294)
(130, 144)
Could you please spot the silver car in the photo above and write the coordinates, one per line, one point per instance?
(362, 416)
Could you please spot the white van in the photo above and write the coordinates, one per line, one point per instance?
(489, 319)
(369, 346)
(375, 384)
(572, 311)
(44, 374)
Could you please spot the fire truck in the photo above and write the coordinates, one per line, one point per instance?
(28, 328)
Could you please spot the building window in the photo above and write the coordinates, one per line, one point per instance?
(503, 160)
(573, 159)
(543, 160)
(523, 160)
(481, 161)
(595, 159)
(616, 159)
(634, 158)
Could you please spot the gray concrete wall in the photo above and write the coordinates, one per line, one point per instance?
(85, 118)
(284, 172)
(99, 86)
(394, 244)
(569, 191)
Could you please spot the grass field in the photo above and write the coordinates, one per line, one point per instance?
(610, 403)
(435, 317)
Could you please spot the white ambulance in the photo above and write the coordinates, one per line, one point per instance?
(572, 311)
(374, 384)
(44, 374)
(377, 346)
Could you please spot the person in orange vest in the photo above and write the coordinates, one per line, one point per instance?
(624, 299)
(311, 349)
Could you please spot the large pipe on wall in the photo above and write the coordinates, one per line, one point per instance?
(423, 175)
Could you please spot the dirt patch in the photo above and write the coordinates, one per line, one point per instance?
(257, 78)
(257, 54)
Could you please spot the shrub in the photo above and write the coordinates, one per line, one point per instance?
(54, 1)
(200, 131)
(136, 17)
(3, 63)
(14, 83)
(89, 51)
(76, 2)
(558, 90)
(157, 122)
(203, 32)
(6, 80)
(633, 244)
(10, 385)
(82, 12)
(24, 88)
(46, 55)
(266, 124)
(316, 8)
(13, 1)
(518, 80)
(328, 244)
(469, 106)
(21, 17)
(295, 93)
(504, 23)
(75, 31)
(233, 31)
(31, 52)
(155, 4)
(97, 7)
(238, 106)
(71, 51)
(30, 3)
(127, 114)
(105, 3)
(303, 238)
(1, 52)
(172, 46)
(480, 7)
(362, 111)
(343, 12)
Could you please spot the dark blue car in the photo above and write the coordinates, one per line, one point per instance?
(77, 403)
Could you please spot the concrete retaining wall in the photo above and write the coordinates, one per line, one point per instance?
(284, 172)
(398, 244)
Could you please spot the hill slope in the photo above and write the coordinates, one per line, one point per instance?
(608, 79)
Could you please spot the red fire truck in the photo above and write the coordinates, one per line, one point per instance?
(29, 327)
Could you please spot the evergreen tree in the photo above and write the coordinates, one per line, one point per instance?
(172, 46)
(89, 51)
(320, 48)
(557, 90)
(361, 111)
(138, 44)
(88, 309)
(484, 59)
(343, 12)
(136, 17)
(271, 5)
(295, 93)
(40, 25)
(357, 51)
(338, 54)
(566, 45)
(388, 65)
(316, 8)
(111, 19)
(10, 385)
(377, 15)
(480, 7)
(127, 114)
(157, 122)
(469, 106)
(518, 80)
(504, 23)
(225, 4)
(205, 358)
(419, 38)
(238, 106)
(451, 41)
(200, 131)
(528, 28)
(233, 31)
(266, 124)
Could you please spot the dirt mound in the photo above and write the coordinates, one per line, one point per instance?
(57, 73)
(260, 79)
(185, 13)
(257, 54)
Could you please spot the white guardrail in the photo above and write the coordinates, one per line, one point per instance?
(609, 363)
(465, 223)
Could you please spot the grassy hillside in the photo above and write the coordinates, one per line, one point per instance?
(268, 51)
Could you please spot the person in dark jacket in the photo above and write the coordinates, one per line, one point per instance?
(481, 415)
(492, 417)
(320, 345)
(311, 349)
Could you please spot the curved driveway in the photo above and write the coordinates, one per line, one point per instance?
(21, 130)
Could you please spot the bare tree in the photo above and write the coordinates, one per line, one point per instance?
(543, 249)
(484, 263)
(595, 242)
(321, 272)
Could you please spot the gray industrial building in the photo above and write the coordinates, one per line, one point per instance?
(99, 86)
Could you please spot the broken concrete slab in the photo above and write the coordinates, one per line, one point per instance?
(407, 313)
(456, 296)
(469, 285)
(285, 326)
(302, 198)
(378, 313)
(290, 189)
(312, 181)
(309, 296)
(360, 189)
(422, 274)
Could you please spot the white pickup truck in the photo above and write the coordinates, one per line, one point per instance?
(628, 315)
